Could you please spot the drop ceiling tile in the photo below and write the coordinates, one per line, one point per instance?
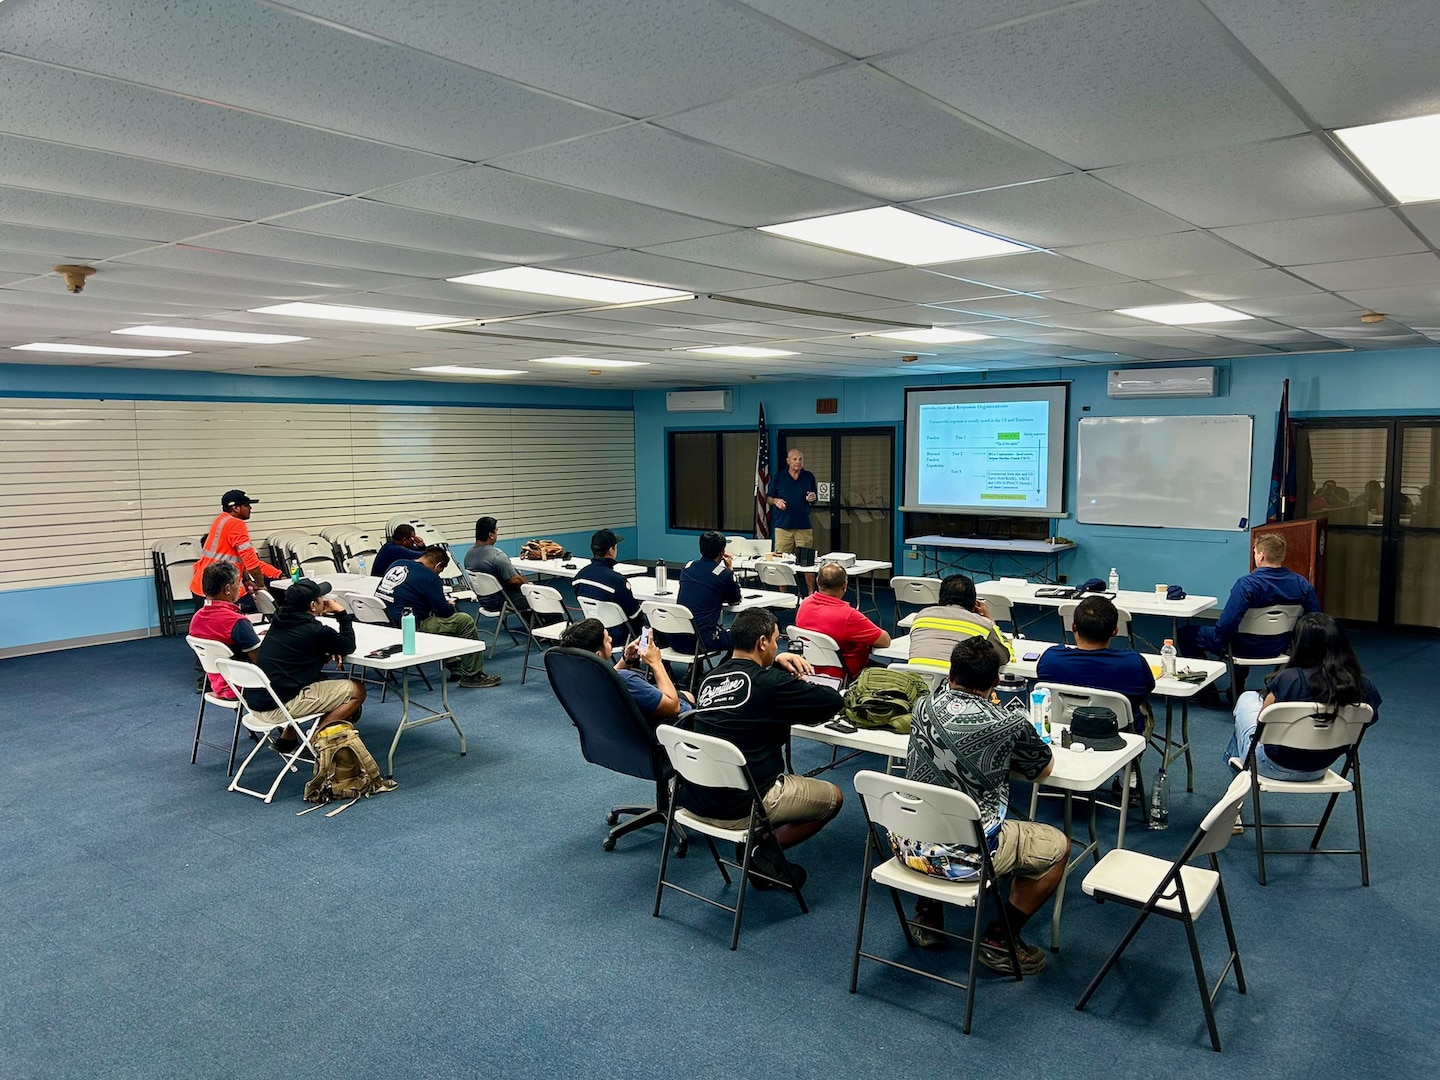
(652, 269)
(1033, 271)
(1324, 306)
(71, 170)
(301, 70)
(605, 54)
(302, 247)
(44, 209)
(384, 223)
(916, 285)
(1426, 217)
(913, 148)
(1019, 306)
(1124, 295)
(1387, 272)
(1245, 285)
(1404, 300)
(1266, 181)
(1362, 234)
(761, 253)
(1104, 84)
(1163, 256)
(232, 264)
(666, 170)
(1347, 63)
(65, 106)
(63, 246)
(863, 28)
(1057, 212)
(483, 193)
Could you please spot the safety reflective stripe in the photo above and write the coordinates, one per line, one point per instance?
(925, 662)
(957, 626)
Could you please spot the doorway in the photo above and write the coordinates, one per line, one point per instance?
(855, 470)
(1374, 483)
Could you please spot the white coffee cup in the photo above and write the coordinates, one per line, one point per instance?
(1160, 591)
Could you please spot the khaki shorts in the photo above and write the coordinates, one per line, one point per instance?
(318, 697)
(792, 798)
(787, 540)
(1028, 849)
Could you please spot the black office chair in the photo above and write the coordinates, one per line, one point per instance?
(613, 734)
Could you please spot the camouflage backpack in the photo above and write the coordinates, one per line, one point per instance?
(881, 698)
(344, 769)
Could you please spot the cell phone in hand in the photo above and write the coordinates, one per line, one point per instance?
(644, 643)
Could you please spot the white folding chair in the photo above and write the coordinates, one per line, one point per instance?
(313, 557)
(370, 609)
(820, 649)
(778, 575)
(1175, 890)
(999, 607)
(1067, 622)
(241, 677)
(671, 619)
(483, 586)
(543, 600)
(916, 592)
(937, 815)
(608, 612)
(716, 763)
(264, 603)
(1304, 725)
(934, 677)
(1065, 699)
(173, 559)
(1274, 619)
(210, 652)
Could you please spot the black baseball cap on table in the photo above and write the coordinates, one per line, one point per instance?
(603, 541)
(235, 497)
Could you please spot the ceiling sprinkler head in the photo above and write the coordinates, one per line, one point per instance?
(74, 275)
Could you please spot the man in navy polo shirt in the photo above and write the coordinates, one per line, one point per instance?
(600, 581)
(706, 585)
(791, 493)
(1093, 664)
(416, 585)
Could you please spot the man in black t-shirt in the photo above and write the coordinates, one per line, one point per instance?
(751, 700)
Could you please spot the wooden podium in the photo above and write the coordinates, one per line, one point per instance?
(1304, 549)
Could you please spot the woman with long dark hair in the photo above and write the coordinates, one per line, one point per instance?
(1323, 668)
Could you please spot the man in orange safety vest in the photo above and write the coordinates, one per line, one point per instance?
(229, 541)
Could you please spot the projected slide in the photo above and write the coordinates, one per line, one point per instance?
(985, 454)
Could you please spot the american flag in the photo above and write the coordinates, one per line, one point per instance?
(762, 481)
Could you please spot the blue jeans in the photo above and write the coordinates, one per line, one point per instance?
(1247, 719)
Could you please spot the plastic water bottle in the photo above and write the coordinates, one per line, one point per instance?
(661, 579)
(1114, 580)
(361, 562)
(1040, 713)
(295, 572)
(1167, 658)
(407, 632)
(1160, 802)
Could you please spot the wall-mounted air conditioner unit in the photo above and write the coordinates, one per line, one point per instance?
(698, 401)
(1162, 382)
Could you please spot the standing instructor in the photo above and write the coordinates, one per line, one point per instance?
(790, 495)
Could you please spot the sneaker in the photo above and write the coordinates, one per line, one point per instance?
(453, 674)
(481, 682)
(1239, 829)
(924, 927)
(765, 861)
(996, 957)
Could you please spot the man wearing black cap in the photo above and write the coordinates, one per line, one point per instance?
(295, 651)
(601, 581)
(229, 541)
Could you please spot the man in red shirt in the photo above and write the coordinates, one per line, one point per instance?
(826, 611)
(221, 620)
(229, 541)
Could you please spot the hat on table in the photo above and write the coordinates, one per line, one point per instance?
(1096, 726)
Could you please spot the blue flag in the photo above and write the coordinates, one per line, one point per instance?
(1281, 506)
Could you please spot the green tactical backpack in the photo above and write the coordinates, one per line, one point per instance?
(344, 769)
(881, 698)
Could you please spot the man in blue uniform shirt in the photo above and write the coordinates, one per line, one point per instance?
(600, 581)
(416, 585)
(1093, 663)
(1270, 583)
(706, 585)
(791, 493)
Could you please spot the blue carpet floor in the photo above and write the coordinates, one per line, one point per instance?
(469, 924)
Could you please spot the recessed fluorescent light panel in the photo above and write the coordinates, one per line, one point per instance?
(342, 313)
(936, 335)
(530, 279)
(476, 371)
(196, 333)
(91, 350)
(744, 352)
(588, 362)
(1404, 155)
(897, 235)
(1184, 314)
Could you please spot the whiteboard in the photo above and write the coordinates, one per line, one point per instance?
(1184, 472)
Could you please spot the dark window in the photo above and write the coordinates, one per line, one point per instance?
(712, 480)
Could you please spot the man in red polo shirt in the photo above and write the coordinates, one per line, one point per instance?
(220, 619)
(826, 611)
